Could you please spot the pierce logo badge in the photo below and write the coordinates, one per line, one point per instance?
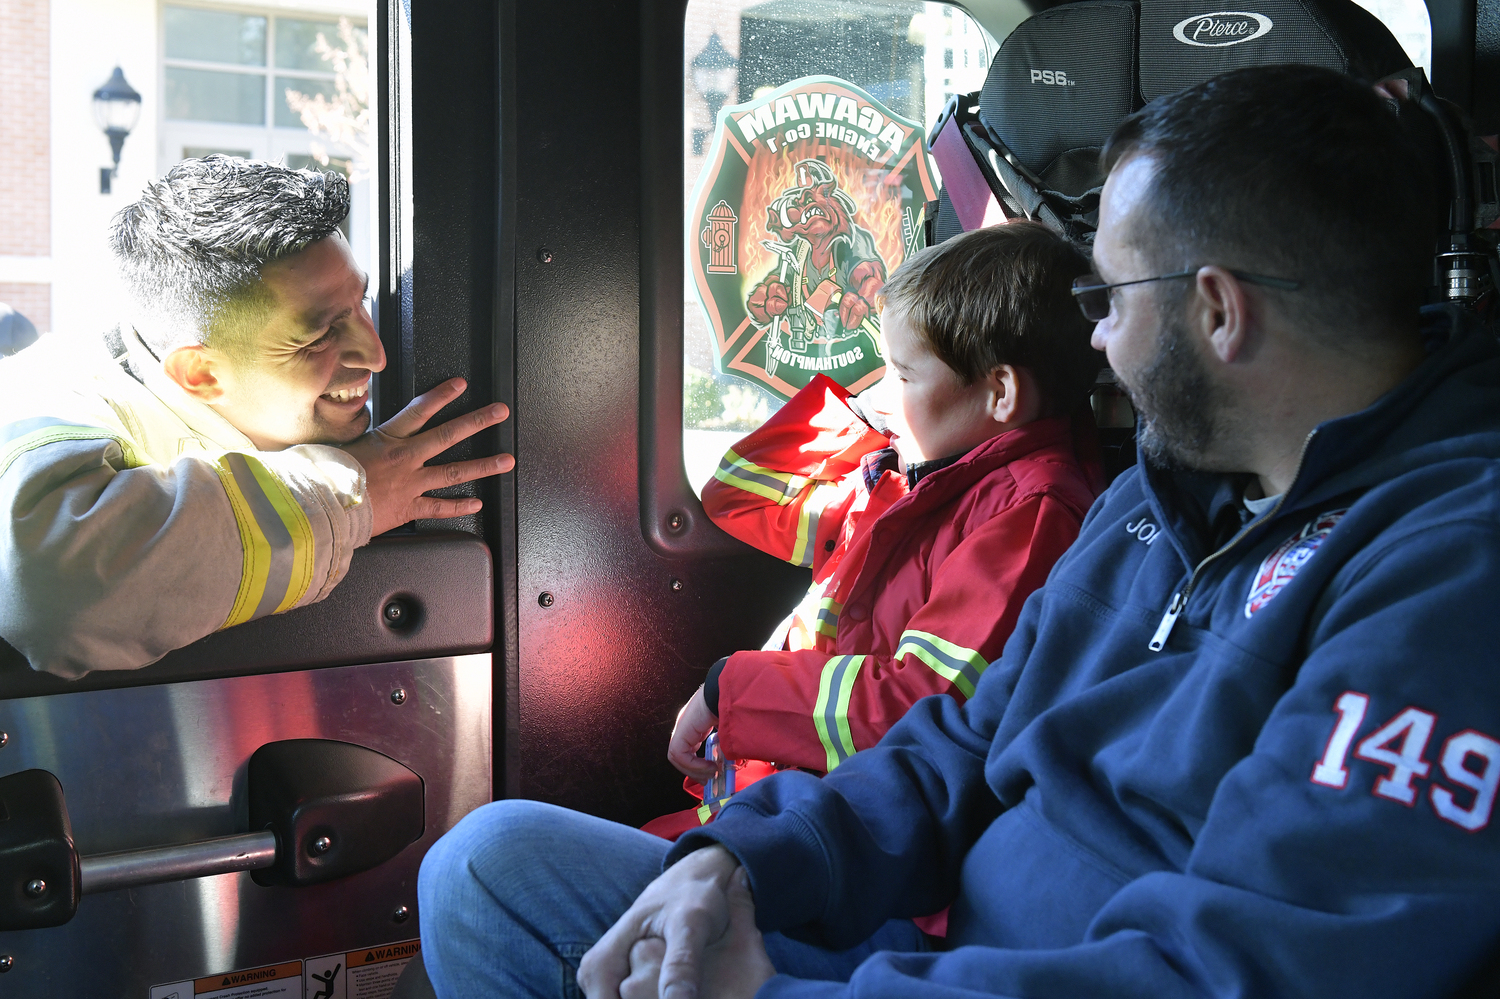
(1288, 558)
(1222, 28)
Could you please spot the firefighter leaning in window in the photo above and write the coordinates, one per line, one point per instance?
(922, 552)
(209, 461)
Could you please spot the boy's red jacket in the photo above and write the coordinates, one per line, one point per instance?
(915, 590)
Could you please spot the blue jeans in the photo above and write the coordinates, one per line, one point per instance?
(512, 897)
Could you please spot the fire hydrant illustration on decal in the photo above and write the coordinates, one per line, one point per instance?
(718, 236)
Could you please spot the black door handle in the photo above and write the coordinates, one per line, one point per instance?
(319, 810)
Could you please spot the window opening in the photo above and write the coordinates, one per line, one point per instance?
(212, 78)
(1408, 20)
(884, 72)
(289, 83)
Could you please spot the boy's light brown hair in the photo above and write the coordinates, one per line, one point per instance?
(1002, 295)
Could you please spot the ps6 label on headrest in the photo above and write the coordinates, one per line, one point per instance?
(1221, 28)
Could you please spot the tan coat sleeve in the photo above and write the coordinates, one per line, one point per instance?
(110, 564)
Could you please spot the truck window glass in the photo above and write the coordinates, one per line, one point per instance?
(1409, 22)
(285, 82)
(893, 62)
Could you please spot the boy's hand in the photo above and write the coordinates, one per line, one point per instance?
(694, 722)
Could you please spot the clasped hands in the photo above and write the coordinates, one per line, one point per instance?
(690, 934)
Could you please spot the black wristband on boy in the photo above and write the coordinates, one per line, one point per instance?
(711, 686)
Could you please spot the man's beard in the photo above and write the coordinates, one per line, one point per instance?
(320, 431)
(1176, 402)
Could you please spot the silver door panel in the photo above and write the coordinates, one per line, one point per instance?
(146, 766)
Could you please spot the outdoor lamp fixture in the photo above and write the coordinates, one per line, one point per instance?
(713, 77)
(117, 107)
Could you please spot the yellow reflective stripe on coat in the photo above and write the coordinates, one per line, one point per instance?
(275, 538)
(806, 546)
(290, 513)
(778, 487)
(27, 435)
(831, 713)
(828, 617)
(959, 666)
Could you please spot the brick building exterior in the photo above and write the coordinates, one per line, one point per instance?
(25, 166)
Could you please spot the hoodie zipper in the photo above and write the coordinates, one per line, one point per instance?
(1180, 598)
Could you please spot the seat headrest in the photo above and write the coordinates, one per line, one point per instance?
(1184, 42)
(1064, 78)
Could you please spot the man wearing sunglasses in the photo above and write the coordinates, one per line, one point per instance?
(1246, 739)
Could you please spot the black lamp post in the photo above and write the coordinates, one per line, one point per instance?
(117, 107)
(713, 77)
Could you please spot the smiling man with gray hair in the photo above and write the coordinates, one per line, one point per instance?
(210, 461)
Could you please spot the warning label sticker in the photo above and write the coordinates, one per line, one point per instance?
(360, 974)
(370, 973)
(276, 981)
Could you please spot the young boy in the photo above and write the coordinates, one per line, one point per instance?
(922, 554)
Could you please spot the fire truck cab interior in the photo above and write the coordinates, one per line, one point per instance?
(533, 243)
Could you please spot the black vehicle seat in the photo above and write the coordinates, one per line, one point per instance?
(1067, 76)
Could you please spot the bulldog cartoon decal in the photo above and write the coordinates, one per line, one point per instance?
(812, 194)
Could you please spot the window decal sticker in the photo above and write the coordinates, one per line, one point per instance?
(812, 194)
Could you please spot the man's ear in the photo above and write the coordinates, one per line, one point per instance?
(1222, 313)
(194, 371)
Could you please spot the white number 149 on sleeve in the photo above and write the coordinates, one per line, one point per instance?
(1469, 759)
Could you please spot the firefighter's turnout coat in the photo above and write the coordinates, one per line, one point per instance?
(915, 589)
(137, 520)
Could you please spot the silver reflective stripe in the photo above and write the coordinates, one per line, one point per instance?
(19, 429)
(828, 618)
(26, 435)
(277, 536)
(807, 537)
(733, 467)
(832, 720)
(928, 651)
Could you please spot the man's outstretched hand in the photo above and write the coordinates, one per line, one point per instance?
(690, 934)
(395, 456)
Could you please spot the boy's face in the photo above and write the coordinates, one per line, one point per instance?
(937, 415)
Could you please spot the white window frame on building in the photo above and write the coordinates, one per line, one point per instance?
(179, 139)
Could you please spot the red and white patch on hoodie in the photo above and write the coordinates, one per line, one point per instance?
(1282, 564)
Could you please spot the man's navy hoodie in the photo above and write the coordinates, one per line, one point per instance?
(1295, 796)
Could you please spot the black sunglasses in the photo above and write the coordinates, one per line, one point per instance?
(1092, 294)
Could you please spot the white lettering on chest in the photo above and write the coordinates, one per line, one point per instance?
(1143, 530)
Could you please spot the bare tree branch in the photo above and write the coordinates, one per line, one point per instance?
(344, 120)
